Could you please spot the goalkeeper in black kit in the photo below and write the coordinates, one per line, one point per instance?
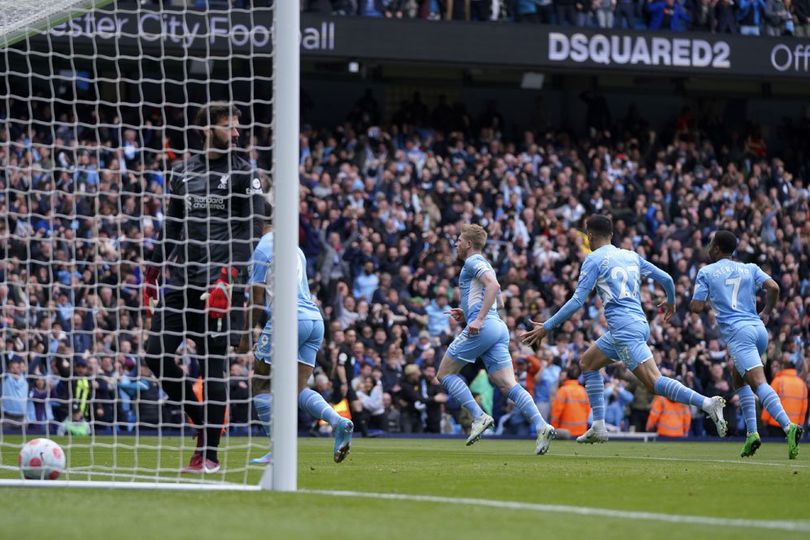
(213, 220)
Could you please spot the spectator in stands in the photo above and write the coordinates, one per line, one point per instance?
(792, 392)
(526, 11)
(702, 14)
(238, 397)
(617, 398)
(778, 19)
(81, 394)
(667, 15)
(567, 12)
(801, 17)
(40, 411)
(669, 418)
(570, 408)
(144, 391)
(584, 11)
(410, 400)
(625, 14)
(604, 12)
(749, 15)
(371, 398)
(726, 17)
(371, 8)
(719, 384)
(547, 380)
(14, 402)
(640, 406)
(433, 396)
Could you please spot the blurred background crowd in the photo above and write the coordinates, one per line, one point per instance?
(382, 197)
(748, 17)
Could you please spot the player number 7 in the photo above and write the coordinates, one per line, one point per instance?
(735, 283)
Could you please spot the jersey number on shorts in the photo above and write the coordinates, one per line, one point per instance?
(735, 284)
(620, 273)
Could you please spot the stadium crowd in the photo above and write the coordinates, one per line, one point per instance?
(750, 17)
(381, 204)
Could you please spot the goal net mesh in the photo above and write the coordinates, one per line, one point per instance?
(98, 102)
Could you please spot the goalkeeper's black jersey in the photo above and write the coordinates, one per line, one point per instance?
(214, 218)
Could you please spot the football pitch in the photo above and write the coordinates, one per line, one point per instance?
(426, 488)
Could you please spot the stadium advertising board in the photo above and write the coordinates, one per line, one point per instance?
(474, 44)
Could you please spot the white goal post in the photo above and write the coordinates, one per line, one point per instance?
(98, 101)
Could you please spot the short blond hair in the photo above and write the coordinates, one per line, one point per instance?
(475, 234)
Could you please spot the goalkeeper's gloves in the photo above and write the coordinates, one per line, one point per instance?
(150, 288)
(218, 298)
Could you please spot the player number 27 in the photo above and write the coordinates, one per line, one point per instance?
(625, 275)
(735, 288)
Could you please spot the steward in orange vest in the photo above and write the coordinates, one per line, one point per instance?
(570, 408)
(671, 418)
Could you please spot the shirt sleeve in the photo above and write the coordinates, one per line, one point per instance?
(172, 223)
(250, 216)
(259, 266)
(587, 281)
(662, 278)
(480, 267)
(760, 277)
(701, 287)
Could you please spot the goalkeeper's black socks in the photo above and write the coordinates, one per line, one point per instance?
(213, 436)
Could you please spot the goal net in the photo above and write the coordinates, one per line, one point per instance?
(103, 165)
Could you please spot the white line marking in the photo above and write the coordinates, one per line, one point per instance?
(794, 526)
(748, 463)
(690, 460)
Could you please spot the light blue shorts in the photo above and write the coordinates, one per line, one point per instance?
(490, 344)
(310, 337)
(627, 344)
(747, 346)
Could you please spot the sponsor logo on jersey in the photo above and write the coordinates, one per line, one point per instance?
(195, 202)
(255, 187)
(223, 182)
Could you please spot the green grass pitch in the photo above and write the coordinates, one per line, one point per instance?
(666, 479)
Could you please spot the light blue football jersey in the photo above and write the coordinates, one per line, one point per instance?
(260, 274)
(731, 287)
(472, 288)
(616, 274)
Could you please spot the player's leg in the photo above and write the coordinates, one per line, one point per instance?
(213, 356)
(167, 332)
(600, 354)
(749, 410)
(464, 350)
(632, 348)
(746, 347)
(498, 362)
(260, 385)
(310, 337)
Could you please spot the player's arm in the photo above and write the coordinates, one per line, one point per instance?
(700, 294)
(665, 280)
(771, 292)
(173, 226)
(257, 284)
(250, 220)
(491, 290)
(172, 232)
